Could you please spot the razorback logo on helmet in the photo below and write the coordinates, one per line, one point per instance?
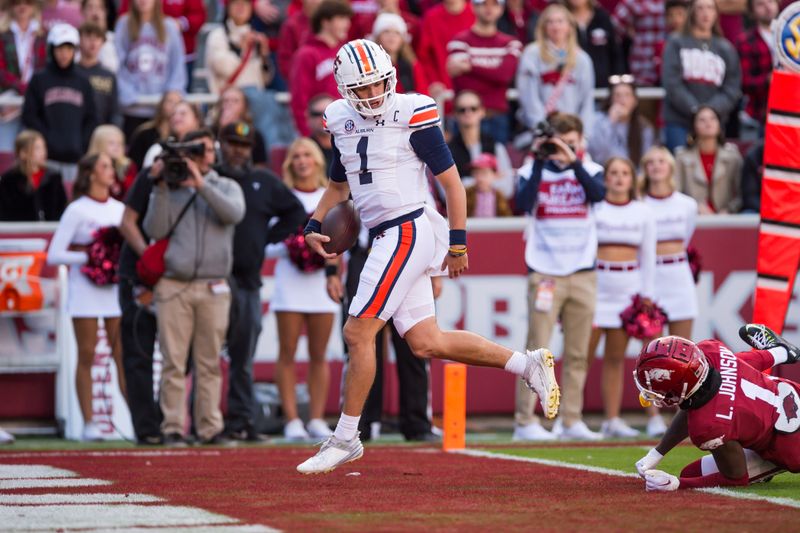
(659, 374)
(713, 443)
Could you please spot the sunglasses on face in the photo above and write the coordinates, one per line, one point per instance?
(465, 109)
(617, 79)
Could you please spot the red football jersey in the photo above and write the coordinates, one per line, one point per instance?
(760, 412)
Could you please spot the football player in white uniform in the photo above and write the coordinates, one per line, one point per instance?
(382, 142)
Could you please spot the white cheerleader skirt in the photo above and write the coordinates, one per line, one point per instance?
(617, 283)
(675, 289)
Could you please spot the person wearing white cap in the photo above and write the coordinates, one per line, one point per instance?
(60, 103)
(391, 32)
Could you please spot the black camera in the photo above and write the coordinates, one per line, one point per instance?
(547, 148)
(174, 154)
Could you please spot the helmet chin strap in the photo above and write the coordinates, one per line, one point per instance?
(705, 393)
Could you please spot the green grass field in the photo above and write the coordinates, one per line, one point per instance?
(622, 458)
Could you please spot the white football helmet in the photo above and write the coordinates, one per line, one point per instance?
(360, 63)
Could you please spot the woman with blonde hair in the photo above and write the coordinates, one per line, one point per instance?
(153, 59)
(29, 191)
(301, 300)
(109, 139)
(89, 298)
(675, 214)
(554, 74)
(626, 261)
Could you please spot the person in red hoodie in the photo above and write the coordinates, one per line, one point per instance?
(484, 60)
(312, 67)
(439, 25)
(190, 15)
(294, 33)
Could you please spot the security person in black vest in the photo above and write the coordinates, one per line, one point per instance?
(265, 197)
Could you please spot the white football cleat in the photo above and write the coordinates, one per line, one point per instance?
(617, 428)
(540, 377)
(531, 432)
(333, 453)
(294, 430)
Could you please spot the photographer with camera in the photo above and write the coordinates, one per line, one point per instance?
(267, 198)
(197, 210)
(559, 190)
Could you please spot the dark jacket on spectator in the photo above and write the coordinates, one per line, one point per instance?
(752, 170)
(461, 154)
(265, 197)
(756, 61)
(20, 202)
(60, 104)
(10, 72)
(104, 84)
(140, 142)
(599, 40)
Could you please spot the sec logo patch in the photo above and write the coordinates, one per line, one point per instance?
(349, 126)
(787, 35)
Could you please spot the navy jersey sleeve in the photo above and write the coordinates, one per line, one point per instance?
(430, 147)
(337, 171)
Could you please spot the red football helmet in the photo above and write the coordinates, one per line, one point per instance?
(669, 370)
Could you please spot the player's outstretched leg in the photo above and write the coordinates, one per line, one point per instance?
(761, 337)
(344, 446)
(535, 367)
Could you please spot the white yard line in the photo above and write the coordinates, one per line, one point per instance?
(51, 499)
(6, 484)
(33, 471)
(786, 502)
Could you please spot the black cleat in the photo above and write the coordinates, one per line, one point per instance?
(761, 337)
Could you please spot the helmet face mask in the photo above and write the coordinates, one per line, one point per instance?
(670, 370)
(362, 63)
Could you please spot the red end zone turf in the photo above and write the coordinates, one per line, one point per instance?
(408, 489)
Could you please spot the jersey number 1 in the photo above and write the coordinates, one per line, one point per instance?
(786, 403)
(364, 176)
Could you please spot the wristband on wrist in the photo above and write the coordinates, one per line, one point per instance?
(457, 252)
(331, 270)
(313, 226)
(458, 237)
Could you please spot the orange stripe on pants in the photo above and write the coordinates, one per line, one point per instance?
(395, 267)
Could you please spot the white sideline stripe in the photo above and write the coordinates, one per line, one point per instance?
(49, 499)
(50, 483)
(547, 462)
(117, 453)
(106, 517)
(787, 502)
(195, 529)
(33, 471)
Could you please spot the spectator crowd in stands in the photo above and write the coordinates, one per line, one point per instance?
(106, 81)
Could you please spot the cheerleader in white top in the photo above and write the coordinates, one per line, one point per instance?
(626, 260)
(675, 215)
(87, 302)
(301, 299)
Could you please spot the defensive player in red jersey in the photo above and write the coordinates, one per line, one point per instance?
(748, 420)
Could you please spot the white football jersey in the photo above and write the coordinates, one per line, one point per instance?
(386, 177)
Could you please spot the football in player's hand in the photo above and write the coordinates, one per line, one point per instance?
(342, 224)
